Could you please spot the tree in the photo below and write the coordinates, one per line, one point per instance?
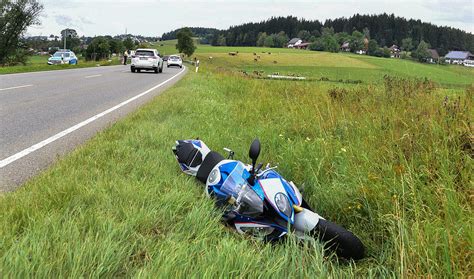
(357, 41)
(269, 41)
(98, 49)
(15, 17)
(281, 39)
(407, 44)
(317, 45)
(305, 35)
(116, 46)
(373, 47)
(366, 33)
(128, 43)
(261, 39)
(72, 40)
(185, 42)
(421, 52)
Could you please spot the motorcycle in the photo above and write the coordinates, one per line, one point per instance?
(259, 201)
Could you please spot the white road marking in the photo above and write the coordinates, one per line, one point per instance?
(16, 87)
(93, 76)
(13, 158)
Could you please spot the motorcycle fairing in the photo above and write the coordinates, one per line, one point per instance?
(271, 188)
(293, 192)
(225, 168)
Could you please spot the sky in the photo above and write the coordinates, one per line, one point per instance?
(153, 17)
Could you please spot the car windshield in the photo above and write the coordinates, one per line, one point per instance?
(59, 54)
(235, 185)
(144, 53)
(174, 57)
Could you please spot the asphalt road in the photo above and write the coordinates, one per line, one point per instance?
(46, 114)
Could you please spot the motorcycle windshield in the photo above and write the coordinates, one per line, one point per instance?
(247, 201)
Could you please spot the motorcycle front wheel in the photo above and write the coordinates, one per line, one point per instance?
(340, 240)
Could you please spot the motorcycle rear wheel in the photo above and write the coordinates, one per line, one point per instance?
(342, 241)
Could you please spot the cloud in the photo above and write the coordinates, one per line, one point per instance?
(455, 11)
(63, 20)
(86, 20)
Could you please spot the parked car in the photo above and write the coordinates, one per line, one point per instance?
(165, 58)
(146, 59)
(63, 56)
(174, 60)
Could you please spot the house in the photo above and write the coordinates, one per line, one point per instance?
(303, 46)
(457, 57)
(469, 62)
(394, 51)
(345, 47)
(294, 42)
(434, 56)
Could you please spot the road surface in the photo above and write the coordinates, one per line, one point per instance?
(46, 114)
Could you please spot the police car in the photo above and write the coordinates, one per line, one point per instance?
(63, 56)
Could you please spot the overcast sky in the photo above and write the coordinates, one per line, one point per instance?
(153, 17)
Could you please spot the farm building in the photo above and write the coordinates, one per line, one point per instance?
(394, 51)
(294, 42)
(469, 62)
(303, 46)
(457, 57)
(345, 47)
(434, 56)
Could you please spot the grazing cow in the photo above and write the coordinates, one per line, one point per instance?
(255, 60)
(254, 53)
(274, 62)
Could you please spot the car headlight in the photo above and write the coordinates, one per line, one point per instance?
(283, 204)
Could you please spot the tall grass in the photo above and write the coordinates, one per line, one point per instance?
(391, 162)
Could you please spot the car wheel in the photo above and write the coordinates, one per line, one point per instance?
(156, 70)
(181, 66)
(132, 69)
(161, 69)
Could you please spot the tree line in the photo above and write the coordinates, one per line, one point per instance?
(205, 34)
(384, 29)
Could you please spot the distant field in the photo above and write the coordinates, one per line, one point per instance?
(39, 63)
(390, 159)
(334, 66)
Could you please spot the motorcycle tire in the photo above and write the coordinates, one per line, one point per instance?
(336, 238)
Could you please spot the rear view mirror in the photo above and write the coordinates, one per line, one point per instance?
(254, 151)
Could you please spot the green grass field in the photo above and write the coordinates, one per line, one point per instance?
(39, 63)
(390, 158)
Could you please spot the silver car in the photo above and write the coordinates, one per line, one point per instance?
(174, 60)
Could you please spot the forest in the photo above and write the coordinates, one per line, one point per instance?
(385, 29)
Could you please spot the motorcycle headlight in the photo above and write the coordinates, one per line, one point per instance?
(283, 204)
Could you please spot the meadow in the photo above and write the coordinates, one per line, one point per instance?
(389, 158)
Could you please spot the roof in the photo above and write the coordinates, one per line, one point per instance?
(294, 40)
(304, 44)
(345, 45)
(394, 47)
(458, 54)
(434, 54)
(145, 49)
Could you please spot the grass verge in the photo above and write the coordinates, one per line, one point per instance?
(391, 162)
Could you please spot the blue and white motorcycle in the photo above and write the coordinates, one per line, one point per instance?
(260, 202)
